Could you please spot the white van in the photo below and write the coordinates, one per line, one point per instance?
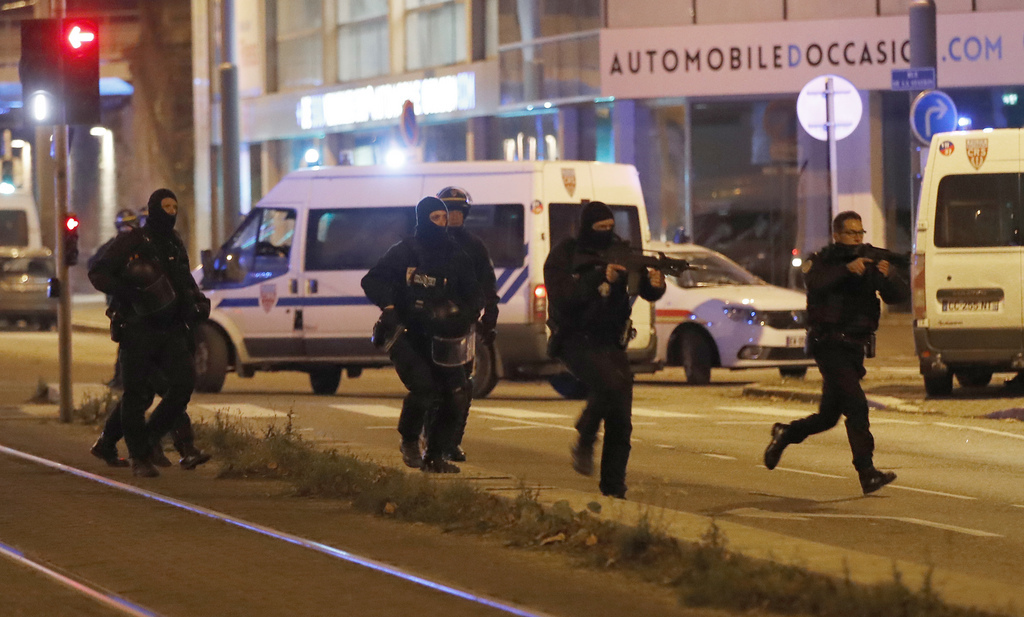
(969, 261)
(285, 288)
(19, 221)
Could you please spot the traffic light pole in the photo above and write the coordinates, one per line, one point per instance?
(60, 143)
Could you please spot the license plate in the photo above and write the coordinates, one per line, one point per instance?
(796, 341)
(967, 306)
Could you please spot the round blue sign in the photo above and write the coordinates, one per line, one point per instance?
(932, 112)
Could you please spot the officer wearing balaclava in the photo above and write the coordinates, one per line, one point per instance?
(427, 286)
(147, 272)
(457, 201)
(589, 308)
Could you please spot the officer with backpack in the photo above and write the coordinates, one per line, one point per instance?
(430, 299)
(147, 272)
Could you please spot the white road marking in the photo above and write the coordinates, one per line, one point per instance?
(893, 421)
(724, 457)
(980, 430)
(518, 428)
(513, 412)
(377, 411)
(665, 446)
(645, 412)
(807, 473)
(244, 410)
(939, 493)
(768, 411)
(804, 516)
(530, 423)
(380, 428)
(1017, 505)
(745, 423)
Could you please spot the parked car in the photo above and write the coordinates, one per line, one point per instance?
(720, 315)
(24, 278)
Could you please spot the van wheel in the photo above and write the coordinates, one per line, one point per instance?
(485, 371)
(325, 379)
(938, 385)
(211, 360)
(973, 377)
(568, 386)
(696, 356)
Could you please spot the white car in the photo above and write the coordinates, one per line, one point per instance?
(720, 315)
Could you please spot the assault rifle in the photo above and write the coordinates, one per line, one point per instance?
(877, 254)
(636, 262)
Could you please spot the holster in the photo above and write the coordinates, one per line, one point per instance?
(117, 324)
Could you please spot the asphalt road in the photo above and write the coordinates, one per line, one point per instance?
(958, 505)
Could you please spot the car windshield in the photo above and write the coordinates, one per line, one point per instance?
(32, 266)
(712, 269)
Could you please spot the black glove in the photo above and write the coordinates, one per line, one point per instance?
(386, 330)
(487, 335)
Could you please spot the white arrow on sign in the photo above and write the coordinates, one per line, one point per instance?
(939, 110)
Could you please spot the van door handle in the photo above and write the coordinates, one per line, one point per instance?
(312, 286)
(298, 320)
(293, 286)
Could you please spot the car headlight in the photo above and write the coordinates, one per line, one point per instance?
(744, 314)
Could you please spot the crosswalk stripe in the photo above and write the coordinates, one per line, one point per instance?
(377, 411)
(645, 412)
(244, 410)
(768, 411)
(512, 412)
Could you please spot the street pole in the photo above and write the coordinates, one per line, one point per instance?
(229, 124)
(922, 55)
(60, 143)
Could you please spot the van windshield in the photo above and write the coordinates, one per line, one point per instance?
(564, 222)
(13, 228)
(978, 210)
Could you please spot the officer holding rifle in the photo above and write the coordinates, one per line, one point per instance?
(843, 283)
(589, 317)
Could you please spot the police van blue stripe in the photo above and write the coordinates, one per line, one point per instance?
(504, 277)
(515, 286)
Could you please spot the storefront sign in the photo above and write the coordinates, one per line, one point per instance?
(975, 49)
(433, 95)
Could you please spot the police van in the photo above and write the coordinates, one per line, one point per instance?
(969, 261)
(285, 287)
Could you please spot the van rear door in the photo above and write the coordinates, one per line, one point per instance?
(974, 273)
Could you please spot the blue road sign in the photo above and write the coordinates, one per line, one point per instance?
(932, 112)
(913, 79)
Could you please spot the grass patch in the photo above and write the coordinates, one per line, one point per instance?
(705, 573)
(95, 408)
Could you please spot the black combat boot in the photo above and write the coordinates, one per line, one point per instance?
(437, 464)
(583, 458)
(411, 455)
(158, 457)
(873, 479)
(142, 468)
(779, 441)
(107, 452)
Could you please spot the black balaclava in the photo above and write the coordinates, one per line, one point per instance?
(597, 240)
(427, 232)
(158, 220)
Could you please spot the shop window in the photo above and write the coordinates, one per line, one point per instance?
(524, 20)
(435, 33)
(556, 69)
(300, 45)
(363, 43)
(978, 210)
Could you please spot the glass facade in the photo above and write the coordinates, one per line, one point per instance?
(363, 39)
(435, 33)
(300, 43)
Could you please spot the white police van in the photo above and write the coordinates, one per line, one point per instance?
(968, 261)
(285, 287)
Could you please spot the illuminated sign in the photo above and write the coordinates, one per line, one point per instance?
(433, 95)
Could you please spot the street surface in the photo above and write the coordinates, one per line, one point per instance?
(957, 506)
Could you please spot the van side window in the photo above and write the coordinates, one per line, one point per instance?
(978, 210)
(564, 222)
(500, 227)
(258, 250)
(13, 228)
(355, 238)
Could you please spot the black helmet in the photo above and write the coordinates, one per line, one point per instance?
(455, 198)
(126, 218)
(153, 293)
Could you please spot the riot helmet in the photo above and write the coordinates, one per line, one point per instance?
(152, 293)
(126, 221)
(458, 201)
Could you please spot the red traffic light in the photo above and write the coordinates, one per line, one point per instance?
(71, 223)
(79, 35)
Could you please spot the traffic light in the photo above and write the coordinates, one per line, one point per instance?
(40, 70)
(60, 71)
(81, 68)
(71, 240)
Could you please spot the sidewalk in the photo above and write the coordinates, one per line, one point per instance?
(88, 313)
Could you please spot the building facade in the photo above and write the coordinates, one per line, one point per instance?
(700, 95)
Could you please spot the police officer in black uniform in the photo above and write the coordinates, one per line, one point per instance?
(589, 314)
(458, 202)
(843, 310)
(147, 272)
(124, 221)
(427, 286)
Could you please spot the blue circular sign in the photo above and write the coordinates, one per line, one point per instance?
(932, 112)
